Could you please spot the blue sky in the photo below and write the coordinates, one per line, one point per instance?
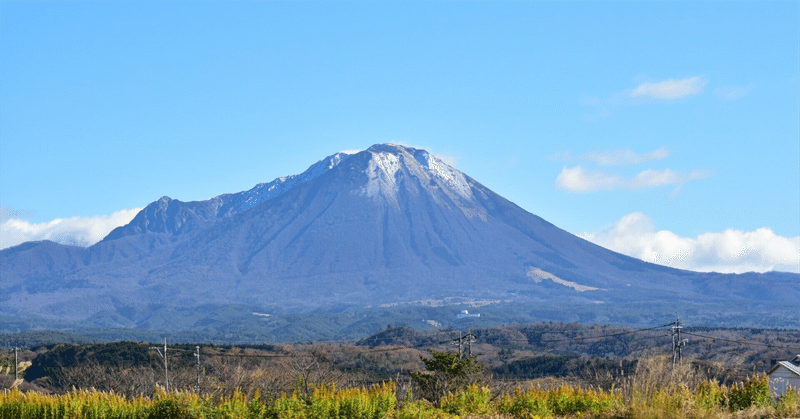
(669, 131)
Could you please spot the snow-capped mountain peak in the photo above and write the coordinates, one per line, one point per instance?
(382, 226)
(390, 158)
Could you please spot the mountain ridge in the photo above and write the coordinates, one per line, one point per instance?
(219, 206)
(382, 226)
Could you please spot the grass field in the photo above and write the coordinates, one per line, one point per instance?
(654, 392)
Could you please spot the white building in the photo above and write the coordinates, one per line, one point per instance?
(465, 314)
(783, 375)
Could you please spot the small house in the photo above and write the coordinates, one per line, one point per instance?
(783, 375)
(465, 314)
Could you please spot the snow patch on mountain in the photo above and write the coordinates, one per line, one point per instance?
(265, 191)
(538, 275)
(349, 152)
(447, 186)
(454, 179)
(454, 184)
(381, 177)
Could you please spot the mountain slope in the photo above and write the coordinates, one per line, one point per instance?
(385, 226)
(175, 217)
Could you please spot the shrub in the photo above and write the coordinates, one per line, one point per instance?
(752, 393)
(287, 408)
(789, 403)
(709, 395)
(473, 400)
(166, 409)
(420, 409)
(530, 404)
(570, 400)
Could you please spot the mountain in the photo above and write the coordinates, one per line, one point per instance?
(388, 228)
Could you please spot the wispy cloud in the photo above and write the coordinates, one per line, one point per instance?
(623, 157)
(733, 93)
(669, 89)
(730, 251)
(578, 179)
(78, 231)
(665, 90)
(649, 178)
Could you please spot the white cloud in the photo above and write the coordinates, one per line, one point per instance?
(79, 231)
(730, 251)
(578, 179)
(669, 89)
(650, 178)
(624, 157)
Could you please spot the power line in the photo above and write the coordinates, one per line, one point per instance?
(469, 339)
(742, 342)
(424, 344)
(676, 330)
(609, 335)
(582, 338)
(527, 340)
(372, 350)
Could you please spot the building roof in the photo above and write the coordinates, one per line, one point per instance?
(789, 365)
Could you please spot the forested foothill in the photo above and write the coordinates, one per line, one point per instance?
(588, 355)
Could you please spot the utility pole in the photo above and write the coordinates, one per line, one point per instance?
(16, 365)
(164, 355)
(197, 355)
(460, 344)
(677, 342)
(470, 339)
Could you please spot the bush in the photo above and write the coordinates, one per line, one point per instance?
(570, 400)
(710, 395)
(166, 409)
(789, 403)
(529, 404)
(420, 409)
(473, 400)
(752, 393)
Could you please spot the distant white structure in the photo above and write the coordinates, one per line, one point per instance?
(464, 314)
(783, 375)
